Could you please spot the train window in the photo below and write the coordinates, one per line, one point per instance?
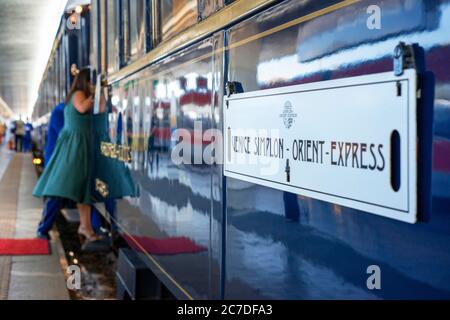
(112, 35)
(60, 67)
(56, 79)
(208, 7)
(52, 84)
(176, 16)
(55, 83)
(148, 25)
(94, 47)
(137, 28)
(134, 17)
(63, 70)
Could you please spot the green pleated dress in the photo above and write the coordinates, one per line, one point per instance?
(77, 163)
(67, 175)
(111, 171)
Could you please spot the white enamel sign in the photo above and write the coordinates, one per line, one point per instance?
(349, 141)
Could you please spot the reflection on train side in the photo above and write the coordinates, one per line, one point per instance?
(256, 252)
(184, 103)
(149, 107)
(346, 241)
(260, 248)
(368, 57)
(318, 36)
(280, 245)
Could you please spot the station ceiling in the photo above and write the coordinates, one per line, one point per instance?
(27, 30)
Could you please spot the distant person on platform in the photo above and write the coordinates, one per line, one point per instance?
(19, 133)
(27, 138)
(2, 132)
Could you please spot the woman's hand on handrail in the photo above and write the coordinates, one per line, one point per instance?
(103, 99)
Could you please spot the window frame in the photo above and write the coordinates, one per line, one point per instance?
(116, 33)
(125, 21)
(158, 39)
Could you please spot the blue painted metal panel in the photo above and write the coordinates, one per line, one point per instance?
(265, 243)
(293, 247)
(174, 200)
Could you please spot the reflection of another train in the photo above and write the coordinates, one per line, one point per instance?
(318, 36)
(159, 139)
(193, 115)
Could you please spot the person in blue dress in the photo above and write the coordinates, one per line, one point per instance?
(27, 138)
(55, 125)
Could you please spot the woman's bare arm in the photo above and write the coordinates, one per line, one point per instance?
(82, 103)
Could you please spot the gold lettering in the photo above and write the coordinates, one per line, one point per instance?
(114, 151)
(104, 149)
(101, 187)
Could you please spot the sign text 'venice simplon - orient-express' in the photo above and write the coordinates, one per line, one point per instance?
(336, 153)
(348, 141)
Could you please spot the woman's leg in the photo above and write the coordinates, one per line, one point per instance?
(85, 219)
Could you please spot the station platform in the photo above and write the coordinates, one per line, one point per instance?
(33, 277)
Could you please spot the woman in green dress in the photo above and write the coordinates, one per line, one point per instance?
(68, 174)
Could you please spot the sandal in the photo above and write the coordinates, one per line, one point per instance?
(86, 237)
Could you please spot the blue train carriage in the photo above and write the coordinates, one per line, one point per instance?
(69, 53)
(201, 229)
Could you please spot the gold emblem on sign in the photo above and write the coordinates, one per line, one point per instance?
(101, 188)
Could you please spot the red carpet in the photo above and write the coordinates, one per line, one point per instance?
(23, 247)
(167, 246)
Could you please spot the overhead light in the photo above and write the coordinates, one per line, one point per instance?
(79, 9)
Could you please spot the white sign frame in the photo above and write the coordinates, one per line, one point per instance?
(244, 111)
